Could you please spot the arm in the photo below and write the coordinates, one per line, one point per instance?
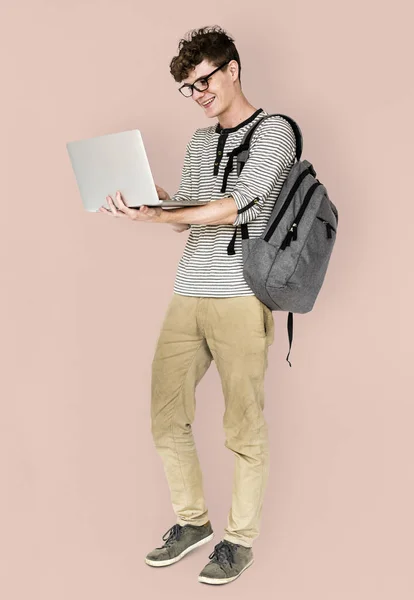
(272, 149)
(218, 212)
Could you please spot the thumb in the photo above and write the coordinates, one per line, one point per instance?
(149, 212)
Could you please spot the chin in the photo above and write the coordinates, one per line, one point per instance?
(214, 113)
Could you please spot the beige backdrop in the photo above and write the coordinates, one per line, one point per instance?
(83, 494)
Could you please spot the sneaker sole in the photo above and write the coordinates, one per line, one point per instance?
(203, 579)
(170, 561)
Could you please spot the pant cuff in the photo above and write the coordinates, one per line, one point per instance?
(196, 522)
(235, 540)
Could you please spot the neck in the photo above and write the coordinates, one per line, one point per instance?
(237, 112)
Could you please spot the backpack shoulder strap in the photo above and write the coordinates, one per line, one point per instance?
(248, 135)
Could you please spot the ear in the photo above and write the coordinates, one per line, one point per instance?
(234, 69)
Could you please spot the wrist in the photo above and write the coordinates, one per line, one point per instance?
(167, 216)
(162, 216)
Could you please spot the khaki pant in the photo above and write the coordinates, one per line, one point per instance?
(235, 333)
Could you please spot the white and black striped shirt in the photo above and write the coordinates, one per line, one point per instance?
(205, 268)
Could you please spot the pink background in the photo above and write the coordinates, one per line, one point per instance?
(83, 496)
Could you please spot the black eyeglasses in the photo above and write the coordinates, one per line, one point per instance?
(187, 88)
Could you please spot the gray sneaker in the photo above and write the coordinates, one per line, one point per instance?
(179, 540)
(228, 561)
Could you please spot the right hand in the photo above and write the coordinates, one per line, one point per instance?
(163, 195)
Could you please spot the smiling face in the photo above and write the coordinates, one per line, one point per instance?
(223, 86)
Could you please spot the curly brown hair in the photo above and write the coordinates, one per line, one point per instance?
(211, 43)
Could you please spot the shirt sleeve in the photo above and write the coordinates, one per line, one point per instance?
(272, 149)
(184, 191)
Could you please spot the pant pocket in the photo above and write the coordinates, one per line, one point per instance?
(269, 324)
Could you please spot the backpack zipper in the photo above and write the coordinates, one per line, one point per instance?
(288, 200)
(293, 231)
(329, 227)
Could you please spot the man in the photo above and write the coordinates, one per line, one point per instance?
(213, 314)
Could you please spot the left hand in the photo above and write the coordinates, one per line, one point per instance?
(120, 209)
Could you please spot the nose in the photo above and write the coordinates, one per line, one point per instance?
(197, 96)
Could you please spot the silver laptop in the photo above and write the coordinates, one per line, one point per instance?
(117, 161)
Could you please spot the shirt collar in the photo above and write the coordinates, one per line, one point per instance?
(220, 129)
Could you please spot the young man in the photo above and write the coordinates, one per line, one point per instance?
(213, 314)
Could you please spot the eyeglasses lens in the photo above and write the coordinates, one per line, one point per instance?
(200, 86)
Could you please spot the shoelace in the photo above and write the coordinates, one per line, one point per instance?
(172, 535)
(222, 553)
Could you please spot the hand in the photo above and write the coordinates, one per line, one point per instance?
(180, 227)
(120, 209)
(163, 195)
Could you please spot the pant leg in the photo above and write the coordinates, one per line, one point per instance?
(181, 359)
(239, 331)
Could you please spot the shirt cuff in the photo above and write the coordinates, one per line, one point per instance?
(247, 209)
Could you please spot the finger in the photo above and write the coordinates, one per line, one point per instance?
(162, 194)
(118, 204)
(111, 205)
(114, 208)
(123, 209)
(120, 200)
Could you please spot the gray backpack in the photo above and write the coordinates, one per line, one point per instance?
(285, 266)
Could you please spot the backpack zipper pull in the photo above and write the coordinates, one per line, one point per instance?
(328, 230)
(329, 227)
(291, 235)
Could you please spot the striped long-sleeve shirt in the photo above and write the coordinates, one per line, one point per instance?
(205, 268)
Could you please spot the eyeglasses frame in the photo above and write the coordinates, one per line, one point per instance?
(192, 86)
